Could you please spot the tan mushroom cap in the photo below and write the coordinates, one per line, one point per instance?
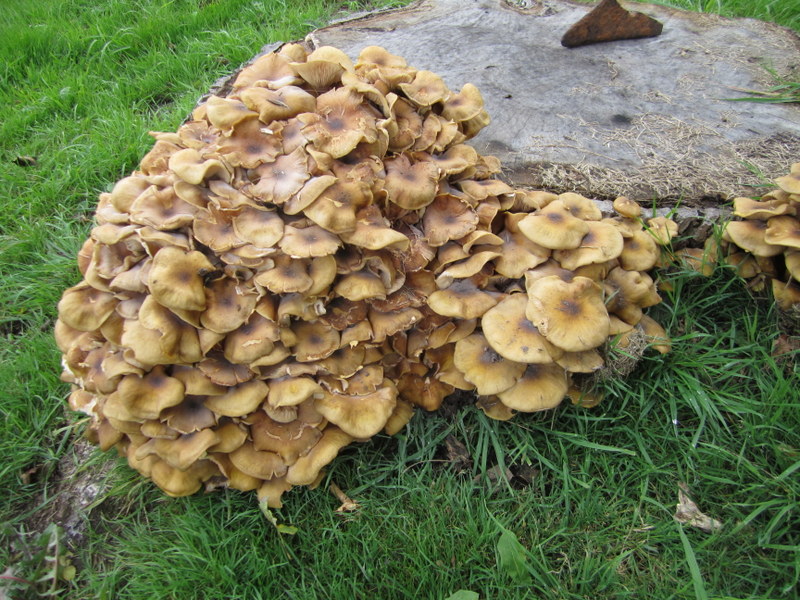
(272, 490)
(639, 252)
(291, 391)
(570, 314)
(143, 398)
(586, 361)
(308, 241)
(261, 228)
(256, 463)
(84, 308)
(554, 228)
(360, 416)
(747, 208)
(656, 334)
(189, 416)
(288, 440)
(315, 341)
(482, 366)
(519, 254)
(225, 113)
(494, 408)
(426, 89)
(410, 185)
(541, 387)
(663, 229)
(400, 417)
(229, 437)
(228, 306)
(186, 449)
(240, 400)
(361, 285)
(509, 332)
(627, 208)
(792, 259)
(176, 278)
(280, 179)
(787, 294)
(192, 167)
(603, 242)
(286, 276)
(175, 482)
(462, 299)
(465, 105)
(791, 182)
(696, 259)
(784, 231)
(342, 121)
(751, 236)
(448, 218)
(254, 339)
(307, 468)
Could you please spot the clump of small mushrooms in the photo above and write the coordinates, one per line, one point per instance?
(764, 246)
(311, 257)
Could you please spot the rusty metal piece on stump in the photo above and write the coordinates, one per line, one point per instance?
(609, 22)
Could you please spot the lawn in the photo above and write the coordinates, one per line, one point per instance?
(572, 503)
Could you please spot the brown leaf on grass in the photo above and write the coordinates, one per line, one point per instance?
(785, 344)
(348, 505)
(457, 454)
(687, 512)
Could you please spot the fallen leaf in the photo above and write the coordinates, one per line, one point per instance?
(457, 454)
(348, 505)
(688, 513)
(608, 22)
(25, 161)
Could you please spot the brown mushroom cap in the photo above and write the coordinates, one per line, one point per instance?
(509, 332)
(143, 398)
(554, 228)
(541, 387)
(360, 416)
(176, 278)
(482, 366)
(784, 231)
(603, 242)
(751, 236)
(462, 299)
(571, 314)
(307, 468)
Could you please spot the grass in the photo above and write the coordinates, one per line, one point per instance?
(593, 519)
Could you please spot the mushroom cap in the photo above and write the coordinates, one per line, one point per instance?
(307, 468)
(509, 332)
(751, 236)
(787, 294)
(541, 387)
(462, 299)
(360, 416)
(602, 242)
(176, 278)
(554, 228)
(85, 308)
(240, 400)
(143, 398)
(482, 366)
(639, 252)
(627, 208)
(570, 314)
(784, 231)
(663, 229)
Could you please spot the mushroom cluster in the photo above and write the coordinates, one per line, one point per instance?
(311, 257)
(764, 246)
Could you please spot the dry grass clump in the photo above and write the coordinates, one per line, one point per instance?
(313, 256)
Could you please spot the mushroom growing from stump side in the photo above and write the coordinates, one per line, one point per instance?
(312, 256)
